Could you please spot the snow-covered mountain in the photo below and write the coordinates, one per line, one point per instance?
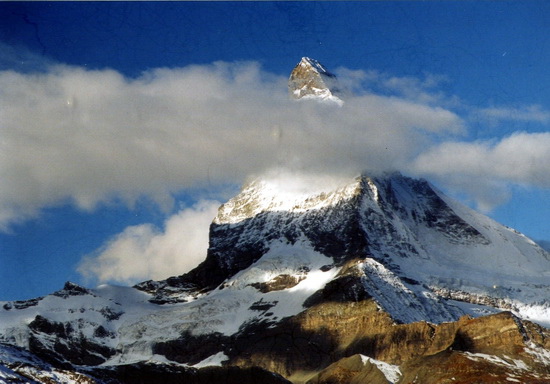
(416, 248)
(276, 252)
(380, 279)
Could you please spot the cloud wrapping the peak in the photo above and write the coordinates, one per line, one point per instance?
(91, 136)
(424, 89)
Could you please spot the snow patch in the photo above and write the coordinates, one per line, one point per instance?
(504, 361)
(391, 372)
(281, 190)
(9, 376)
(542, 355)
(213, 361)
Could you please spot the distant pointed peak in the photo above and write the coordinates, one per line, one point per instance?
(311, 80)
(307, 61)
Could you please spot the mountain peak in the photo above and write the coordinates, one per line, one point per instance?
(406, 231)
(287, 192)
(312, 63)
(311, 80)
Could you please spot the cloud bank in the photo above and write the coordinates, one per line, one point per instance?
(484, 169)
(86, 137)
(523, 158)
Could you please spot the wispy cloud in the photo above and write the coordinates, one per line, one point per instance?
(426, 89)
(22, 59)
(481, 168)
(529, 113)
(145, 252)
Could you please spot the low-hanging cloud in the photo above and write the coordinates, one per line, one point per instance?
(523, 158)
(145, 252)
(484, 169)
(91, 136)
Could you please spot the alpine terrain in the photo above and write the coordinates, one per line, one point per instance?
(382, 279)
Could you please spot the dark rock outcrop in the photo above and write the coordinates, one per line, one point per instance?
(62, 344)
(147, 373)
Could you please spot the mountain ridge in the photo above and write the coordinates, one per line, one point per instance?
(436, 217)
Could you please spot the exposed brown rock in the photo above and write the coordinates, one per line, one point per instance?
(278, 283)
(352, 370)
(464, 368)
(317, 345)
(494, 335)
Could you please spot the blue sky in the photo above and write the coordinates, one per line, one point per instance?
(124, 125)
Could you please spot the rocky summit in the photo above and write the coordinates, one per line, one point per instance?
(379, 279)
(310, 80)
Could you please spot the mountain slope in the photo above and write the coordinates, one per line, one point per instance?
(416, 246)
(297, 278)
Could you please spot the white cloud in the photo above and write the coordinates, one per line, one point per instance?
(485, 168)
(87, 137)
(522, 158)
(530, 113)
(425, 89)
(144, 252)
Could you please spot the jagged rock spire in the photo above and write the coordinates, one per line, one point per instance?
(310, 79)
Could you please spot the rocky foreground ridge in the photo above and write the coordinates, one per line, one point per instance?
(382, 280)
